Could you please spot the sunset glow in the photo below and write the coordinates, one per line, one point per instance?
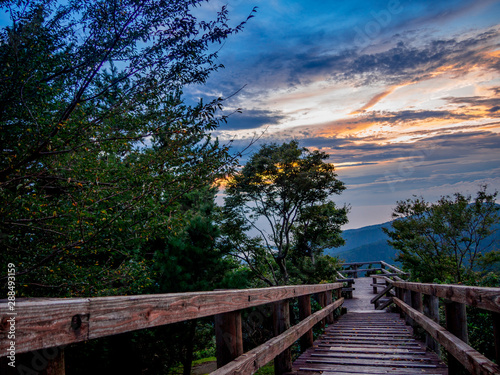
(404, 95)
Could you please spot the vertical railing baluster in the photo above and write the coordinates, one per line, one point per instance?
(496, 333)
(456, 323)
(228, 337)
(407, 300)
(431, 310)
(281, 316)
(306, 341)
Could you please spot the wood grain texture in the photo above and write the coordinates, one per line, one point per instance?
(484, 298)
(355, 345)
(251, 361)
(471, 359)
(45, 323)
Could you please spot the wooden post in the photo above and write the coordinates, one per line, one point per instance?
(416, 301)
(355, 268)
(56, 365)
(431, 310)
(374, 281)
(388, 294)
(283, 362)
(338, 295)
(228, 337)
(329, 300)
(322, 303)
(496, 332)
(407, 300)
(456, 323)
(306, 341)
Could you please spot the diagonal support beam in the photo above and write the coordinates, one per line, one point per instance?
(382, 293)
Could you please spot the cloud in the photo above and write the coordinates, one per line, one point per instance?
(252, 119)
(492, 104)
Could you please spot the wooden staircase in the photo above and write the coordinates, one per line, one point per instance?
(368, 343)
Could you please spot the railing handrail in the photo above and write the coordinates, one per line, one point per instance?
(482, 297)
(354, 268)
(45, 323)
(454, 337)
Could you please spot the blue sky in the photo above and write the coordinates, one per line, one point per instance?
(404, 95)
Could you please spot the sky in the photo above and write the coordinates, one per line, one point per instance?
(404, 95)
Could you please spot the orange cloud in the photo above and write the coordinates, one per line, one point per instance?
(374, 100)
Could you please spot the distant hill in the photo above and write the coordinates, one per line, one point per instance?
(370, 244)
(365, 244)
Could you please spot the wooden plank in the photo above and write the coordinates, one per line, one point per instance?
(362, 349)
(359, 263)
(367, 362)
(355, 370)
(359, 270)
(390, 266)
(251, 361)
(228, 337)
(382, 293)
(389, 274)
(473, 361)
(385, 304)
(484, 298)
(385, 278)
(46, 323)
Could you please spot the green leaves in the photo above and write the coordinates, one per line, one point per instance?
(98, 144)
(444, 240)
(283, 194)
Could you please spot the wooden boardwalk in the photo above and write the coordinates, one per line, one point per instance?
(365, 341)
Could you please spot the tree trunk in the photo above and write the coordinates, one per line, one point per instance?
(283, 270)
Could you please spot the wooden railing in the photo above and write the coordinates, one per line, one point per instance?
(419, 303)
(355, 268)
(42, 324)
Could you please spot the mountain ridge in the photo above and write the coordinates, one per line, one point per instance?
(370, 244)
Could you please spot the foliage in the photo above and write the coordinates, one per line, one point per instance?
(97, 141)
(286, 189)
(446, 240)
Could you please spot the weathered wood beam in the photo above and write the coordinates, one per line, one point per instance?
(390, 266)
(431, 310)
(484, 298)
(306, 341)
(495, 317)
(251, 361)
(46, 323)
(474, 362)
(381, 277)
(359, 263)
(281, 318)
(382, 293)
(456, 323)
(228, 337)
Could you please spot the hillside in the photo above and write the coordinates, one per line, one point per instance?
(365, 244)
(370, 244)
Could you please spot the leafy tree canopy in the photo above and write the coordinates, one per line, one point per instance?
(97, 142)
(283, 193)
(445, 241)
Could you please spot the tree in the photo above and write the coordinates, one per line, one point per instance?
(283, 194)
(444, 241)
(97, 140)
